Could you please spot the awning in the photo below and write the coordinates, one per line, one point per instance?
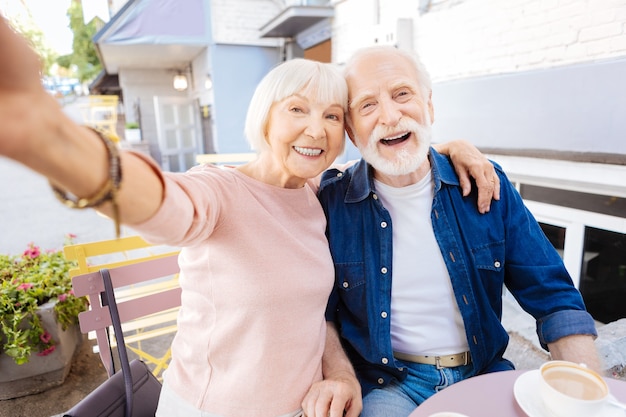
(105, 84)
(294, 20)
(153, 34)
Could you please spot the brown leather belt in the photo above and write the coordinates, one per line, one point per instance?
(445, 361)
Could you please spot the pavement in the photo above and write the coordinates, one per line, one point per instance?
(30, 213)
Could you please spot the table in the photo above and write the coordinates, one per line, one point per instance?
(489, 395)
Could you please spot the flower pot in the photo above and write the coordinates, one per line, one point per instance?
(132, 135)
(41, 372)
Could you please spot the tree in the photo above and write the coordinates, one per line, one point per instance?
(84, 57)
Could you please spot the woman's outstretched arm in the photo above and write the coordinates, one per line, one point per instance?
(36, 132)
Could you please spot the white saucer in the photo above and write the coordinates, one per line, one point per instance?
(526, 391)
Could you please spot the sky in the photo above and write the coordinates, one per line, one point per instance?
(49, 16)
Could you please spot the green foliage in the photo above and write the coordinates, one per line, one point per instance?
(84, 56)
(28, 281)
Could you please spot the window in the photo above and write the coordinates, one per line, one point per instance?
(556, 236)
(603, 274)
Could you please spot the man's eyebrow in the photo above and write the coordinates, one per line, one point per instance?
(360, 98)
(404, 84)
(397, 85)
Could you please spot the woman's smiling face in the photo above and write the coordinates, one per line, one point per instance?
(304, 137)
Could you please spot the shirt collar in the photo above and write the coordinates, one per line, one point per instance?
(362, 181)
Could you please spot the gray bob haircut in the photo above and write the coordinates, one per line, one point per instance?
(315, 80)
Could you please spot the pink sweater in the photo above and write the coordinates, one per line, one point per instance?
(256, 273)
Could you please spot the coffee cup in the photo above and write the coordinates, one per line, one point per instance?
(572, 390)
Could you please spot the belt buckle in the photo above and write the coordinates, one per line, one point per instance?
(440, 366)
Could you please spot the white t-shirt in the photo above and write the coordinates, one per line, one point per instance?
(425, 319)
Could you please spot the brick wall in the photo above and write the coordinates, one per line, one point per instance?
(466, 38)
(239, 21)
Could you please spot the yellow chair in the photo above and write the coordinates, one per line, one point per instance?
(153, 273)
(101, 112)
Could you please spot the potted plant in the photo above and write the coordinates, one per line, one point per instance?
(38, 319)
(132, 132)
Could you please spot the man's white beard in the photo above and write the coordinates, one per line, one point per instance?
(403, 161)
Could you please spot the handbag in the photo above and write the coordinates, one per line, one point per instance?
(132, 392)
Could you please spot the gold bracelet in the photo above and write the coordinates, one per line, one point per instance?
(108, 192)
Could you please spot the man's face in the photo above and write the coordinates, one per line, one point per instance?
(390, 119)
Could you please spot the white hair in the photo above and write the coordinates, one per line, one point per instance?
(320, 81)
(422, 76)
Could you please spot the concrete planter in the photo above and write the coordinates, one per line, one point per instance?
(41, 372)
(132, 135)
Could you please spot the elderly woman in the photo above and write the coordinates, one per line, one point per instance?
(255, 266)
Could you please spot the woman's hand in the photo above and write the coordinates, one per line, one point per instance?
(469, 162)
(21, 91)
(339, 394)
(21, 67)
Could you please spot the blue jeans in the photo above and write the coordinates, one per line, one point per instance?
(399, 399)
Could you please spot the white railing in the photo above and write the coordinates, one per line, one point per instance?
(290, 3)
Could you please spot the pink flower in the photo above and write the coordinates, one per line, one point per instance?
(71, 236)
(62, 297)
(32, 251)
(47, 351)
(25, 286)
(45, 337)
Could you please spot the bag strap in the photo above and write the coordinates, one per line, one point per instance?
(119, 335)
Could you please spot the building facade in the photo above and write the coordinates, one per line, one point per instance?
(212, 48)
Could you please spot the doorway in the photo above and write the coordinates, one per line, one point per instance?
(178, 132)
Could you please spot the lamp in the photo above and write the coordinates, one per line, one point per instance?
(208, 83)
(180, 82)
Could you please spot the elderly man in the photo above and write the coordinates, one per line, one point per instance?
(419, 271)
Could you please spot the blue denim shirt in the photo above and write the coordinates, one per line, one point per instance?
(483, 253)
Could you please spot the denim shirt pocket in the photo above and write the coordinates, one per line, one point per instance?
(489, 261)
(489, 256)
(351, 283)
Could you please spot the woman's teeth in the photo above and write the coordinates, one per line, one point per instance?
(308, 151)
